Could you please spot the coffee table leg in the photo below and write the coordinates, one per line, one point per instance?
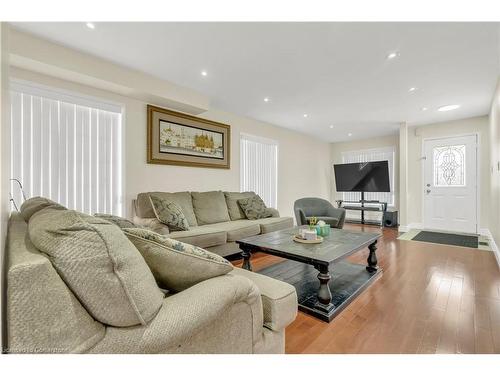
(324, 293)
(246, 254)
(372, 258)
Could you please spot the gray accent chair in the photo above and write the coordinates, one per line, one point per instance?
(305, 208)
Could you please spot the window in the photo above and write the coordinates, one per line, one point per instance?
(378, 154)
(449, 165)
(259, 167)
(66, 148)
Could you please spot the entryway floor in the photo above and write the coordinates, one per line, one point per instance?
(483, 241)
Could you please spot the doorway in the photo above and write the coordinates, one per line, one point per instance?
(450, 184)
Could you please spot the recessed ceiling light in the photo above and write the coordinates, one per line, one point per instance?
(204, 73)
(331, 126)
(349, 134)
(411, 89)
(90, 25)
(266, 99)
(392, 55)
(305, 115)
(449, 107)
(424, 108)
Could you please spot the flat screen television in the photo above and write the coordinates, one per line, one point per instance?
(370, 176)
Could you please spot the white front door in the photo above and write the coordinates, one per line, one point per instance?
(450, 184)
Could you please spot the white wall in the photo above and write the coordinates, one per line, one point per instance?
(416, 135)
(5, 162)
(494, 164)
(303, 168)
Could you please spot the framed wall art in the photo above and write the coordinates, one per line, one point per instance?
(179, 139)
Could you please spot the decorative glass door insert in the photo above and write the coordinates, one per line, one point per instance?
(449, 165)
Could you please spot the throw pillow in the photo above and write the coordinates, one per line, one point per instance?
(169, 213)
(176, 265)
(120, 222)
(99, 264)
(235, 211)
(33, 205)
(254, 208)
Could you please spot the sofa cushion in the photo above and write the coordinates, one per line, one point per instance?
(234, 209)
(203, 236)
(120, 222)
(183, 199)
(210, 207)
(176, 265)
(169, 213)
(35, 204)
(272, 224)
(236, 230)
(151, 224)
(254, 208)
(99, 264)
(279, 299)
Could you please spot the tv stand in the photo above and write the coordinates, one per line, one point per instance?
(376, 206)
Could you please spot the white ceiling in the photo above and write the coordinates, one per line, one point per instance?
(337, 73)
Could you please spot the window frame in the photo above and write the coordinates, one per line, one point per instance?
(267, 141)
(80, 99)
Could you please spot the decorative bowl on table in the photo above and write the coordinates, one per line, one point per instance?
(298, 238)
(307, 235)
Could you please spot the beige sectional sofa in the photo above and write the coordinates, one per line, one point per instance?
(239, 312)
(215, 219)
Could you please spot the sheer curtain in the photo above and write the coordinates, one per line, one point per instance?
(66, 148)
(259, 167)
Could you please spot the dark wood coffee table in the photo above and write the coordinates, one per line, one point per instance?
(326, 258)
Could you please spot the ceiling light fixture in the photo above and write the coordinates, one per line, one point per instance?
(331, 126)
(449, 107)
(424, 108)
(392, 55)
(349, 134)
(90, 25)
(266, 100)
(204, 73)
(411, 89)
(305, 115)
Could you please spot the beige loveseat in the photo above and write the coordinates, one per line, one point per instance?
(216, 221)
(240, 312)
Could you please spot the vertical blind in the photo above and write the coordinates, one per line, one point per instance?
(378, 154)
(259, 167)
(66, 148)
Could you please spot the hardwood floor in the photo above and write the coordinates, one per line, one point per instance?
(430, 299)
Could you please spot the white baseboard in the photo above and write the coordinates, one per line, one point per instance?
(406, 228)
(486, 232)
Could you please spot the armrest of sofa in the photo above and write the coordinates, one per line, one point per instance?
(300, 216)
(279, 299)
(185, 314)
(273, 211)
(152, 224)
(338, 213)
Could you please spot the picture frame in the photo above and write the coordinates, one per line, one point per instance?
(176, 138)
